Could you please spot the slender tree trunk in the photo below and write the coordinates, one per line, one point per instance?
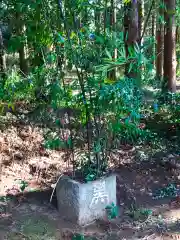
(112, 73)
(97, 15)
(140, 20)
(131, 33)
(153, 25)
(140, 32)
(38, 57)
(2, 62)
(2, 55)
(153, 34)
(159, 44)
(177, 35)
(23, 60)
(20, 29)
(170, 45)
(178, 42)
(84, 17)
(105, 16)
(22, 53)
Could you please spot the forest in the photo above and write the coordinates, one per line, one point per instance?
(89, 119)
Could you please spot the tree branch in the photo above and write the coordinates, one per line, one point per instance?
(147, 19)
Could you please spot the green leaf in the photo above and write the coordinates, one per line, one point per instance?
(69, 142)
(78, 237)
(23, 185)
(90, 177)
(99, 40)
(58, 122)
(108, 54)
(126, 2)
(112, 211)
(60, 38)
(51, 58)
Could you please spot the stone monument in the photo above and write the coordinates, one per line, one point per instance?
(82, 203)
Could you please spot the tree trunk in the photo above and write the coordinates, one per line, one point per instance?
(105, 16)
(153, 25)
(177, 35)
(20, 30)
(22, 53)
(153, 35)
(140, 32)
(170, 45)
(97, 16)
(177, 42)
(37, 61)
(112, 73)
(140, 20)
(130, 33)
(159, 45)
(2, 62)
(2, 55)
(22, 60)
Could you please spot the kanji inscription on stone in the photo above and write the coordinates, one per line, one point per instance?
(99, 193)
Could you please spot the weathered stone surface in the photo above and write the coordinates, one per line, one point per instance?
(82, 203)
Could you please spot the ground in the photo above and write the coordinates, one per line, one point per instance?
(28, 173)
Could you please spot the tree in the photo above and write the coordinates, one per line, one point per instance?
(159, 43)
(170, 45)
(140, 20)
(2, 55)
(112, 73)
(153, 32)
(130, 32)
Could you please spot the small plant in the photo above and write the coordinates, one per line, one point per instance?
(82, 237)
(139, 213)
(5, 199)
(169, 191)
(78, 237)
(90, 177)
(54, 144)
(112, 211)
(22, 185)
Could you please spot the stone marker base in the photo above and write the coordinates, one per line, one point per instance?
(82, 203)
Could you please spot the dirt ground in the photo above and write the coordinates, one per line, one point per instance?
(31, 216)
